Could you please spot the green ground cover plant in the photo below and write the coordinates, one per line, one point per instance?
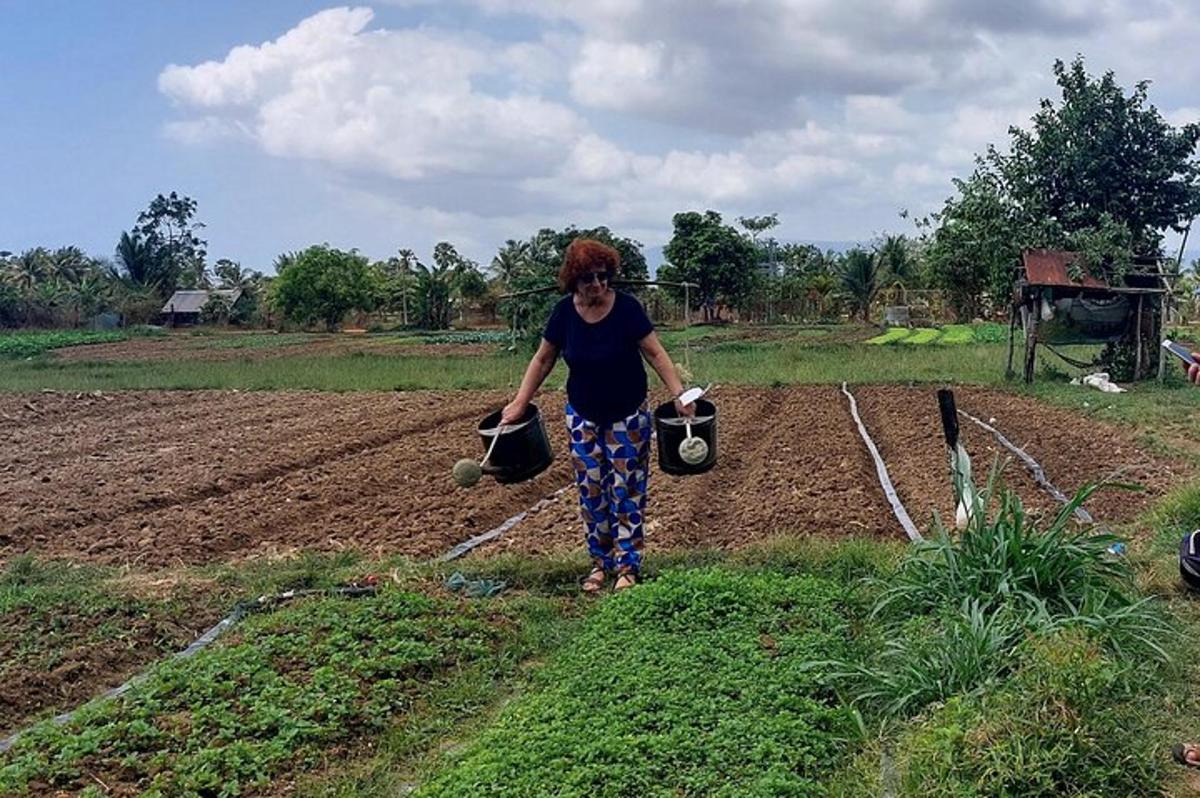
(35, 342)
(697, 683)
(1016, 659)
(275, 695)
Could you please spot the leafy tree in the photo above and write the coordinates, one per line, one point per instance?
(216, 309)
(170, 231)
(859, 276)
(757, 225)
(1101, 173)
(535, 264)
(434, 287)
(1103, 155)
(322, 284)
(716, 257)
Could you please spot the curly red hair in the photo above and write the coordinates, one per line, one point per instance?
(585, 255)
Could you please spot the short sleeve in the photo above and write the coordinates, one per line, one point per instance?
(556, 326)
(639, 323)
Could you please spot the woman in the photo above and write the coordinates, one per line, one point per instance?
(603, 334)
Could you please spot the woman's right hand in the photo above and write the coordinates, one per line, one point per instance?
(1193, 372)
(513, 412)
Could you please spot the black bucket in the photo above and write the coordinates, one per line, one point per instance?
(671, 432)
(522, 452)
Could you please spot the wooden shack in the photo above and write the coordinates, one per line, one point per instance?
(1056, 301)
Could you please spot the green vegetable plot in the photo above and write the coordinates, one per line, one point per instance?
(697, 683)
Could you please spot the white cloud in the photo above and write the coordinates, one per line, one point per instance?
(622, 112)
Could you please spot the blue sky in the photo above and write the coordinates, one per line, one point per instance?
(404, 122)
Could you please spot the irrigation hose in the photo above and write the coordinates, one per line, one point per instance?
(881, 470)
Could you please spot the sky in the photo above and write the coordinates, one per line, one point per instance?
(401, 123)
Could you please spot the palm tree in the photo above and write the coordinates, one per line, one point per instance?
(70, 264)
(511, 260)
(90, 295)
(858, 275)
(896, 261)
(29, 269)
(136, 258)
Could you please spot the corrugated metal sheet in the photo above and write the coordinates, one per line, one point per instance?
(192, 301)
(1049, 267)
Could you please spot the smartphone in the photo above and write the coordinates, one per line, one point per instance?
(1180, 352)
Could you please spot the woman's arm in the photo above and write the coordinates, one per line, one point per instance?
(536, 372)
(660, 361)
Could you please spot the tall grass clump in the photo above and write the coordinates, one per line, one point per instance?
(958, 609)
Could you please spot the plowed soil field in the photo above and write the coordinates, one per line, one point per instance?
(167, 478)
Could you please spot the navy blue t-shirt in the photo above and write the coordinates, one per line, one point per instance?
(607, 381)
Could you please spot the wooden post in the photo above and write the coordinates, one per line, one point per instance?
(1137, 366)
(1031, 325)
(1164, 318)
(1012, 335)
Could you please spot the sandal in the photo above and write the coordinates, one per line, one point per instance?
(625, 581)
(1180, 751)
(594, 581)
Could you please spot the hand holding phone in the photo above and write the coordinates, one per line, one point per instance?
(1180, 352)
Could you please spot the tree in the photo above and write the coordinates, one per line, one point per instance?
(896, 260)
(536, 262)
(170, 231)
(1101, 173)
(512, 260)
(216, 309)
(433, 289)
(716, 257)
(859, 280)
(136, 262)
(322, 284)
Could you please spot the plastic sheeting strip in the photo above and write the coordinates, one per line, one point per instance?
(1032, 466)
(492, 534)
(884, 480)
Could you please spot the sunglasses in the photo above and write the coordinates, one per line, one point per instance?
(594, 277)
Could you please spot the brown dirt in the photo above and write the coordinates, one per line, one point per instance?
(905, 424)
(164, 478)
(789, 462)
(188, 347)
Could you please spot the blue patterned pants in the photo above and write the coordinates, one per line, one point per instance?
(611, 468)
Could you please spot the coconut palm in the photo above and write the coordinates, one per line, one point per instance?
(511, 260)
(136, 261)
(859, 280)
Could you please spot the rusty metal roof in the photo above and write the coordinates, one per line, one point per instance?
(1050, 267)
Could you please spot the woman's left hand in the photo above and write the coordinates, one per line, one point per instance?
(685, 410)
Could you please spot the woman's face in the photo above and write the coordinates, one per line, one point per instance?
(593, 285)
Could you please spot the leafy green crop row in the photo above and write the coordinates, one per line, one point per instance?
(951, 334)
(697, 683)
(276, 696)
(30, 344)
